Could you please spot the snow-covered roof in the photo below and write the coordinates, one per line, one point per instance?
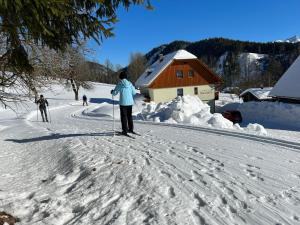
(259, 93)
(156, 68)
(288, 85)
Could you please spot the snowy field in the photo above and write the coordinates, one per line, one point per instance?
(74, 171)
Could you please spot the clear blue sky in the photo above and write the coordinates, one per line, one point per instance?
(140, 30)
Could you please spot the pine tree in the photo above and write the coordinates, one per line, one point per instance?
(55, 24)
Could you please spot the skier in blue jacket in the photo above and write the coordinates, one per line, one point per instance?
(127, 91)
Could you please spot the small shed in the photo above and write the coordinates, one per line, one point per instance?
(256, 94)
(177, 74)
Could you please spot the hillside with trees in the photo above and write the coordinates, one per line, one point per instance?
(239, 63)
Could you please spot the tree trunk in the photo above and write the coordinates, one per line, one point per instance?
(76, 95)
(75, 89)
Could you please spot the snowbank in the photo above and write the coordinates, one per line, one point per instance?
(257, 128)
(191, 110)
(269, 114)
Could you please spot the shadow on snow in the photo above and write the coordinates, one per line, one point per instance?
(59, 136)
(103, 100)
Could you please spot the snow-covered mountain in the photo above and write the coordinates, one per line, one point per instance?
(294, 39)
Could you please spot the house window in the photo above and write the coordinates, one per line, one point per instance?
(179, 73)
(180, 92)
(191, 73)
(195, 91)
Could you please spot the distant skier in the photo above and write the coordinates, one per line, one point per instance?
(127, 91)
(84, 99)
(42, 106)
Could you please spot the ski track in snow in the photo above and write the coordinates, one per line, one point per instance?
(73, 171)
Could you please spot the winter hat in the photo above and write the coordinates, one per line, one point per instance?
(122, 75)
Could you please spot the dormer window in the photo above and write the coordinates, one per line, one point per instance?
(179, 73)
(191, 73)
(148, 72)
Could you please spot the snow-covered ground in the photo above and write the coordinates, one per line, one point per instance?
(74, 171)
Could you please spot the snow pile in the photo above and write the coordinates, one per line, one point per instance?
(191, 110)
(186, 109)
(269, 114)
(259, 129)
(217, 120)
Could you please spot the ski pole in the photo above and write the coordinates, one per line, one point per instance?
(37, 112)
(49, 114)
(113, 114)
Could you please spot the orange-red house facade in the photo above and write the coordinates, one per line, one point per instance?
(177, 74)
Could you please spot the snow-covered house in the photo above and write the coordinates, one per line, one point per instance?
(256, 94)
(287, 89)
(177, 74)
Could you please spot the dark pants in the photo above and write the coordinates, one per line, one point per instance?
(126, 118)
(44, 113)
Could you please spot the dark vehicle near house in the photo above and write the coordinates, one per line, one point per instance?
(233, 115)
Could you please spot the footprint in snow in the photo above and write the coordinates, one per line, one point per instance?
(169, 151)
(195, 150)
(171, 192)
(139, 179)
(296, 218)
(198, 177)
(147, 162)
(180, 178)
(253, 175)
(191, 160)
(197, 218)
(165, 173)
(253, 167)
(199, 201)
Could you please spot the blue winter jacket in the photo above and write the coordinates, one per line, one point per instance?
(126, 90)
